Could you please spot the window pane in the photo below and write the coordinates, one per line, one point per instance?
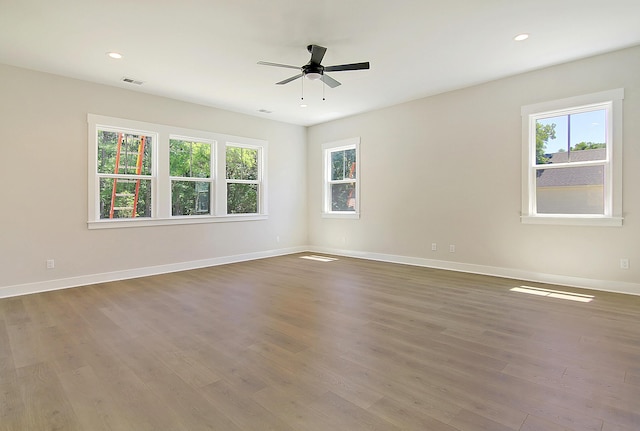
(337, 165)
(127, 196)
(343, 197)
(189, 159)
(551, 138)
(578, 190)
(571, 138)
(588, 136)
(242, 163)
(242, 198)
(190, 198)
(343, 164)
(134, 155)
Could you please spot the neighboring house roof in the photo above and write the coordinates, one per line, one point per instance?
(570, 176)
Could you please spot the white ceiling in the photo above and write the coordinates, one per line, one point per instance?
(205, 51)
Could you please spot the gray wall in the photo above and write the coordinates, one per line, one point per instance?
(43, 200)
(447, 169)
(443, 169)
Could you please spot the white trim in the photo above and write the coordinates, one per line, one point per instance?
(161, 180)
(106, 277)
(341, 214)
(516, 274)
(327, 149)
(494, 271)
(211, 179)
(573, 102)
(261, 181)
(572, 220)
(174, 220)
(611, 101)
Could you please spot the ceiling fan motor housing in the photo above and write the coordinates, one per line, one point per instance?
(313, 71)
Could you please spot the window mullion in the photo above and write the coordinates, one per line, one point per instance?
(220, 185)
(163, 183)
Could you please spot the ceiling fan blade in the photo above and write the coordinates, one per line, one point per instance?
(289, 79)
(317, 53)
(329, 81)
(267, 63)
(352, 66)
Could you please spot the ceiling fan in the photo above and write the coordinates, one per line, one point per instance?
(314, 70)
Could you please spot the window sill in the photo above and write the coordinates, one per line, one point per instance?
(341, 215)
(572, 220)
(143, 222)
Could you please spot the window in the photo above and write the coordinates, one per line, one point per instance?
(191, 180)
(243, 179)
(572, 160)
(143, 174)
(125, 174)
(341, 184)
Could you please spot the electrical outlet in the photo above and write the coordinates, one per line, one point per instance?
(624, 263)
(452, 248)
(434, 246)
(278, 238)
(51, 263)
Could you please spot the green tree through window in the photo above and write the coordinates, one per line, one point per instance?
(124, 171)
(343, 169)
(243, 173)
(190, 161)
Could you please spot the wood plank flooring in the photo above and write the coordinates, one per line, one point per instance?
(293, 344)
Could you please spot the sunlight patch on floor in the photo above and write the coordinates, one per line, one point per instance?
(559, 294)
(318, 258)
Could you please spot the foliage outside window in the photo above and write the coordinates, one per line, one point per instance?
(243, 179)
(341, 185)
(124, 173)
(191, 180)
(145, 174)
(572, 166)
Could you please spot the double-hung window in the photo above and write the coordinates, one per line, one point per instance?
(341, 193)
(190, 169)
(145, 174)
(572, 160)
(124, 173)
(244, 178)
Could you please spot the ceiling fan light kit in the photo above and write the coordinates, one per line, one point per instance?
(314, 70)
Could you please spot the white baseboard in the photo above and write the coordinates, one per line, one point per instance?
(83, 280)
(65, 283)
(563, 280)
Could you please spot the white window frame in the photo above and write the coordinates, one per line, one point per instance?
(327, 149)
(210, 179)
(611, 101)
(94, 210)
(161, 180)
(259, 181)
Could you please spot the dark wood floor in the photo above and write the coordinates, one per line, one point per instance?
(293, 344)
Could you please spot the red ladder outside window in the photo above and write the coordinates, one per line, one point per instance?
(114, 194)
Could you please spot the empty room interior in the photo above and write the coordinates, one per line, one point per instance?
(320, 215)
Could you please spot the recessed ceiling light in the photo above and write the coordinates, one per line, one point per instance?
(115, 55)
(521, 37)
(303, 105)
